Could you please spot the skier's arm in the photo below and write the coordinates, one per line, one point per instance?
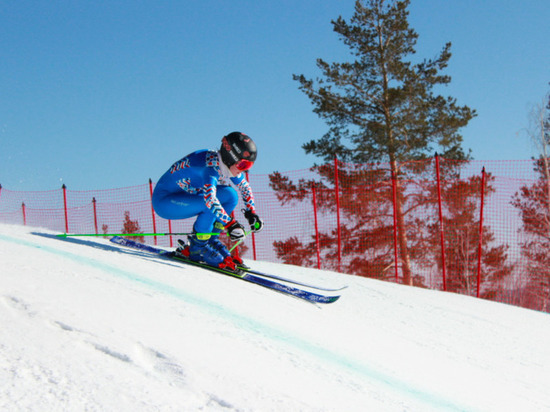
(256, 224)
(214, 205)
(246, 192)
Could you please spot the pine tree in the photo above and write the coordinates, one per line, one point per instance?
(461, 203)
(533, 204)
(382, 106)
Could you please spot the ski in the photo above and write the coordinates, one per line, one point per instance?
(247, 276)
(293, 281)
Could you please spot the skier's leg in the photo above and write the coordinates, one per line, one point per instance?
(178, 205)
(206, 219)
(229, 199)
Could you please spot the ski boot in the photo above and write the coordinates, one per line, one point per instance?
(218, 246)
(199, 250)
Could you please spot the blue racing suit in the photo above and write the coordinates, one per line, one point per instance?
(197, 186)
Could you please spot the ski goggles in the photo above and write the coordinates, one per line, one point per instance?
(244, 165)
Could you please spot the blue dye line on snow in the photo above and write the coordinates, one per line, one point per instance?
(251, 324)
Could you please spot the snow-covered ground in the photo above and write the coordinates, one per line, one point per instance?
(89, 326)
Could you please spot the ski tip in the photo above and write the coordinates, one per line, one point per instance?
(329, 299)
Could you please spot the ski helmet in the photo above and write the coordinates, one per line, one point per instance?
(238, 149)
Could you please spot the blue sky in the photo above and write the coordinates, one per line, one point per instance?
(105, 94)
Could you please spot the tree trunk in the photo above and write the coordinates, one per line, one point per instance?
(402, 230)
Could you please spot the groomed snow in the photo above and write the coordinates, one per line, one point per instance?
(90, 326)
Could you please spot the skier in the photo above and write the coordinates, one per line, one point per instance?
(197, 185)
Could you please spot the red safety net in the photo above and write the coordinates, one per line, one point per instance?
(480, 228)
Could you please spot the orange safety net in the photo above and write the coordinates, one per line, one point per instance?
(480, 228)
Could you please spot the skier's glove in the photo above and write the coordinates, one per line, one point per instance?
(235, 230)
(256, 224)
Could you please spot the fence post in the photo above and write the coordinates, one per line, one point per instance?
(24, 214)
(317, 246)
(153, 210)
(253, 235)
(170, 230)
(394, 202)
(65, 208)
(337, 195)
(95, 214)
(479, 250)
(441, 228)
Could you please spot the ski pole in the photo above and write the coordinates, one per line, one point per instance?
(239, 242)
(65, 235)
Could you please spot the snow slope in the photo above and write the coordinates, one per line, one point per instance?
(87, 325)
